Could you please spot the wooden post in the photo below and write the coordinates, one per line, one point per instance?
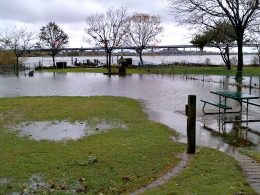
(191, 124)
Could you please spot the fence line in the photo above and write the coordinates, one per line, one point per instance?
(10, 69)
(250, 79)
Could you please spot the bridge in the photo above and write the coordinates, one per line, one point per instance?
(132, 47)
(152, 47)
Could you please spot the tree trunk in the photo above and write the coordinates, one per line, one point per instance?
(140, 57)
(240, 59)
(227, 63)
(109, 62)
(259, 59)
(201, 50)
(227, 58)
(17, 66)
(53, 60)
(258, 54)
(107, 59)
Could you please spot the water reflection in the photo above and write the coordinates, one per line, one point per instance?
(165, 97)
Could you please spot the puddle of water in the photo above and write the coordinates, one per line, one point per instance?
(4, 181)
(62, 130)
(236, 133)
(35, 183)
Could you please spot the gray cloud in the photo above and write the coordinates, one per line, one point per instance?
(70, 15)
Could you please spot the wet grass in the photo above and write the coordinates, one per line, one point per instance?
(252, 153)
(97, 70)
(209, 172)
(234, 140)
(206, 70)
(113, 162)
(120, 160)
(173, 69)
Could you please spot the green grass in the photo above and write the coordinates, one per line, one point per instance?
(207, 70)
(127, 158)
(253, 154)
(120, 160)
(96, 70)
(209, 172)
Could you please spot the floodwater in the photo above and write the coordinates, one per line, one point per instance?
(164, 97)
(62, 130)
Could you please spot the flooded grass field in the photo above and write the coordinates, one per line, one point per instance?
(164, 99)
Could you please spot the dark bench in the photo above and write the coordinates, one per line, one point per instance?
(220, 106)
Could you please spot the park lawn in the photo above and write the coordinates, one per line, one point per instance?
(96, 70)
(173, 69)
(209, 172)
(119, 160)
(252, 153)
(206, 70)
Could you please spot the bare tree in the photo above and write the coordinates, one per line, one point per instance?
(107, 30)
(52, 39)
(143, 30)
(239, 13)
(18, 39)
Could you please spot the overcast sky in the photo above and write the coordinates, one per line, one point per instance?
(70, 16)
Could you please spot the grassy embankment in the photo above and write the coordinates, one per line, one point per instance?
(119, 160)
(253, 154)
(207, 70)
(202, 176)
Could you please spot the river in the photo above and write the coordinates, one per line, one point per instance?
(156, 60)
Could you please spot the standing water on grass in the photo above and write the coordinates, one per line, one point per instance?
(164, 97)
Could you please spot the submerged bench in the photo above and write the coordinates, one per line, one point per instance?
(219, 105)
(251, 103)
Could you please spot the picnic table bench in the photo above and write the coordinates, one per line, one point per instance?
(219, 105)
(237, 96)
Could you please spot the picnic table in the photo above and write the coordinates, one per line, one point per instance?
(242, 98)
